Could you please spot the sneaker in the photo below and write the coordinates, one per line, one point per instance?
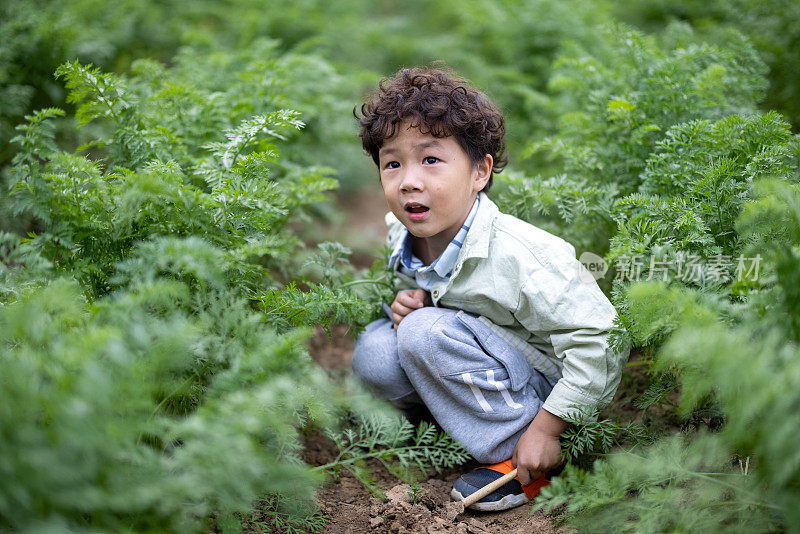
(509, 495)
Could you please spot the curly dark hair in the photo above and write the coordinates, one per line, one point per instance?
(437, 102)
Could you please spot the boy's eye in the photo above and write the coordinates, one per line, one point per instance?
(392, 165)
(431, 160)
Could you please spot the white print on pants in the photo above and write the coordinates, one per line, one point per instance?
(498, 385)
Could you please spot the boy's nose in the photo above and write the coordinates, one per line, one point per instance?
(411, 182)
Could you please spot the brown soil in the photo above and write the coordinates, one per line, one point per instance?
(349, 507)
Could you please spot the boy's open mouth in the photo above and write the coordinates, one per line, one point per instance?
(416, 211)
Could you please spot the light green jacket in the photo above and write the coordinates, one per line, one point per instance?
(527, 284)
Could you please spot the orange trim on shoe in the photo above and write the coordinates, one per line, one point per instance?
(531, 490)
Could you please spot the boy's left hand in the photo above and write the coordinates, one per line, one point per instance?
(538, 449)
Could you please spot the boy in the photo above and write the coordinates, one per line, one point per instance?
(501, 335)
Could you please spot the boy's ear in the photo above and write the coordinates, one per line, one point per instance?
(484, 168)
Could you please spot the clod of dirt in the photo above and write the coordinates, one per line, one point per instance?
(452, 510)
(399, 493)
(431, 513)
(476, 527)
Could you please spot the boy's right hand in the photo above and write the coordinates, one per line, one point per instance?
(407, 301)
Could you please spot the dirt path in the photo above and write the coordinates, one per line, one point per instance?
(347, 504)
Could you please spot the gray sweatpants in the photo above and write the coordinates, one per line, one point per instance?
(479, 388)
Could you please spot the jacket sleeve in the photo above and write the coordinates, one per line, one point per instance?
(561, 303)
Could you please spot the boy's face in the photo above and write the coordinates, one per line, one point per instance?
(430, 185)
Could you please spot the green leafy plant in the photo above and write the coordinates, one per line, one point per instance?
(146, 391)
(415, 492)
(403, 449)
(771, 26)
(156, 289)
(704, 272)
(618, 103)
(276, 513)
(670, 486)
(587, 438)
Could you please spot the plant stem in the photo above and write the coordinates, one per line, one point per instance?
(357, 282)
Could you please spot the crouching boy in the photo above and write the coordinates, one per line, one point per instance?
(501, 334)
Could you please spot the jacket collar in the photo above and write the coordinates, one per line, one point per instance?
(477, 243)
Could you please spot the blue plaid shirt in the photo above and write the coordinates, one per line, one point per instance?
(442, 267)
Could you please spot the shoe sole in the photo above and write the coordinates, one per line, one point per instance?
(506, 503)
